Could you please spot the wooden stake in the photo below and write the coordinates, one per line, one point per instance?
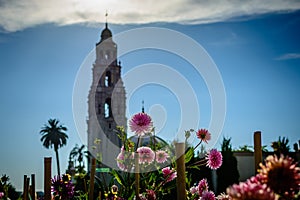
(25, 188)
(137, 176)
(180, 162)
(32, 191)
(92, 179)
(99, 195)
(47, 178)
(257, 150)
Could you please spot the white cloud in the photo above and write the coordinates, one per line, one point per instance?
(289, 56)
(17, 15)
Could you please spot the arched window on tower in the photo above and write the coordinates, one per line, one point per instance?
(107, 79)
(99, 109)
(107, 108)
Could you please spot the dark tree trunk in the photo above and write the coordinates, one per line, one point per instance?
(57, 161)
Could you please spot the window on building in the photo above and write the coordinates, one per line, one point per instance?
(107, 109)
(107, 79)
(107, 56)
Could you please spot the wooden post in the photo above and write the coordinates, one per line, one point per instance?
(257, 150)
(180, 163)
(92, 179)
(32, 191)
(137, 176)
(47, 178)
(25, 188)
(99, 195)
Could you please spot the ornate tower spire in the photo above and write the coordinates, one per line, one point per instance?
(106, 100)
(143, 108)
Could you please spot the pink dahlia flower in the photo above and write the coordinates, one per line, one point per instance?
(202, 186)
(140, 123)
(125, 159)
(120, 161)
(169, 174)
(281, 174)
(214, 159)
(151, 195)
(142, 197)
(146, 155)
(208, 195)
(223, 196)
(194, 190)
(161, 156)
(249, 191)
(203, 135)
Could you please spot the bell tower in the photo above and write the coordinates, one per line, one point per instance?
(106, 101)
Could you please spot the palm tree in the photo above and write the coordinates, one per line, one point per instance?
(53, 135)
(78, 153)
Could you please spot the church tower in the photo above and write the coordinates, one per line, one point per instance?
(106, 101)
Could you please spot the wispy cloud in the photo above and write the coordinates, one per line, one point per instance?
(17, 15)
(288, 56)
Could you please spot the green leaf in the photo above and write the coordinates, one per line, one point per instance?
(189, 155)
(193, 167)
(118, 177)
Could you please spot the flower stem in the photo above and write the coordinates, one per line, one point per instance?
(137, 171)
(198, 144)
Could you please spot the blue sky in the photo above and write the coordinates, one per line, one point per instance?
(256, 51)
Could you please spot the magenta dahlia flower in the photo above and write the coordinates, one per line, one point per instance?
(146, 155)
(161, 156)
(151, 195)
(203, 135)
(214, 159)
(202, 186)
(208, 195)
(62, 187)
(169, 174)
(140, 123)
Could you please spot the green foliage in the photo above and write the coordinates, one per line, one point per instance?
(189, 154)
(7, 188)
(126, 182)
(245, 148)
(197, 172)
(226, 145)
(118, 177)
(81, 183)
(281, 146)
(228, 173)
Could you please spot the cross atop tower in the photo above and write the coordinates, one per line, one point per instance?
(106, 15)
